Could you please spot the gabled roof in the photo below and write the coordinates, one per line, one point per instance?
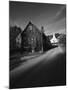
(33, 26)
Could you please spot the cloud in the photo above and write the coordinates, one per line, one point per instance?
(60, 14)
(58, 26)
(58, 22)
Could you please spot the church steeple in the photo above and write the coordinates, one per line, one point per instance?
(54, 39)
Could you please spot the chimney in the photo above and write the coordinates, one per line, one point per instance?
(42, 29)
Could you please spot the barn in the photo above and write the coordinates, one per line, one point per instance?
(31, 39)
(34, 40)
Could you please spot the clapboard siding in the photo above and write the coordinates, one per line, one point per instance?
(31, 38)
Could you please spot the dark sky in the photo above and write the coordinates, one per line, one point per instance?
(51, 16)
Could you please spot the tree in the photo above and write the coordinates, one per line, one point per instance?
(57, 35)
(14, 32)
(62, 39)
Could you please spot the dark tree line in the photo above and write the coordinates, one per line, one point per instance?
(13, 33)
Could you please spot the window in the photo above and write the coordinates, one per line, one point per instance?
(30, 27)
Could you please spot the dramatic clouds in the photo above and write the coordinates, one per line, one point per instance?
(51, 16)
(58, 23)
(61, 13)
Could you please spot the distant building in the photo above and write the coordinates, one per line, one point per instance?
(54, 40)
(18, 41)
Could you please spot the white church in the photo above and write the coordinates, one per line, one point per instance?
(54, 40)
